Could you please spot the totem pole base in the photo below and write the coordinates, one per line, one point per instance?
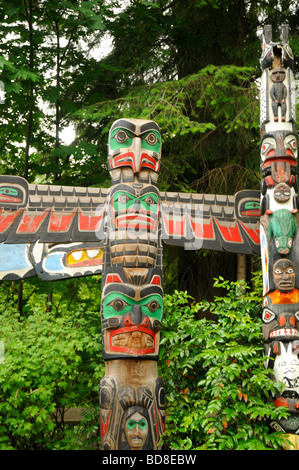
(132, 405)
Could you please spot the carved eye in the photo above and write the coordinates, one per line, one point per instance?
(153, 305)
(151, 138)
(268, 148)
(8, 191)
(123, 199)
(268, 316)
(277, 243)
(118, 304)
(290, 270)
(121, 137)
(290, 242)
(142, 424)
(293, 144)
(278, 271)
(150, 200)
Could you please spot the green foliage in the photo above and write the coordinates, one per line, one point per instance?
(53, 361)
(216, 384)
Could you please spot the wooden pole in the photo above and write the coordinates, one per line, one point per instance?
(241, 267)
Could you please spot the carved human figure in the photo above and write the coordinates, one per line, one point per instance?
(286, 369)
(284, 275)
(278, 93)
(282, 358)
(284, 281)
(136, 430)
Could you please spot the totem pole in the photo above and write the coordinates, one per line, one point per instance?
(279, 222)
(132, 398)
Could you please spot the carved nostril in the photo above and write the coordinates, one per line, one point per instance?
(282, 321)
(145, 323)
(292, 321)
(128, 321)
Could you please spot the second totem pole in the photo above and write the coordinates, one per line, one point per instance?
(279, 222)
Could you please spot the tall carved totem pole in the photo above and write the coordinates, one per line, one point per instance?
(58, 232)
(132, 398)
(279, 222)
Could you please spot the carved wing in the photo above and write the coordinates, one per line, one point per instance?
(51, 231)
(50, 214)
(211, 221)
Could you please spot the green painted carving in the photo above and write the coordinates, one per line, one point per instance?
(283, 228)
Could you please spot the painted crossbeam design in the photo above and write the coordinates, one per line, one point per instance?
(212, 221)
(60, 214)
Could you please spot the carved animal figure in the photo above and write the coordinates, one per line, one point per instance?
(283, 228)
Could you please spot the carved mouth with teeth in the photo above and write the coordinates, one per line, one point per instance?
(87, 257)
(284, 333)
(134, 340)
(136, 221)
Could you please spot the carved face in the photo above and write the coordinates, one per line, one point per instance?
(131, 317)
(134, 143)
(278, 75)
(282, 192)
(280, 144)
(283, 244)
(13, 191)
(286, 369)
(136, 431)
(281, 322)
(284, 275)
(251, 208)
(134, 207)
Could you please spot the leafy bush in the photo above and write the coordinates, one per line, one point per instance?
(52, 362)
(216, 384)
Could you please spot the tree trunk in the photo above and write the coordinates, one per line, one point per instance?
(49, 303)
(20, 297)
(241, 267)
